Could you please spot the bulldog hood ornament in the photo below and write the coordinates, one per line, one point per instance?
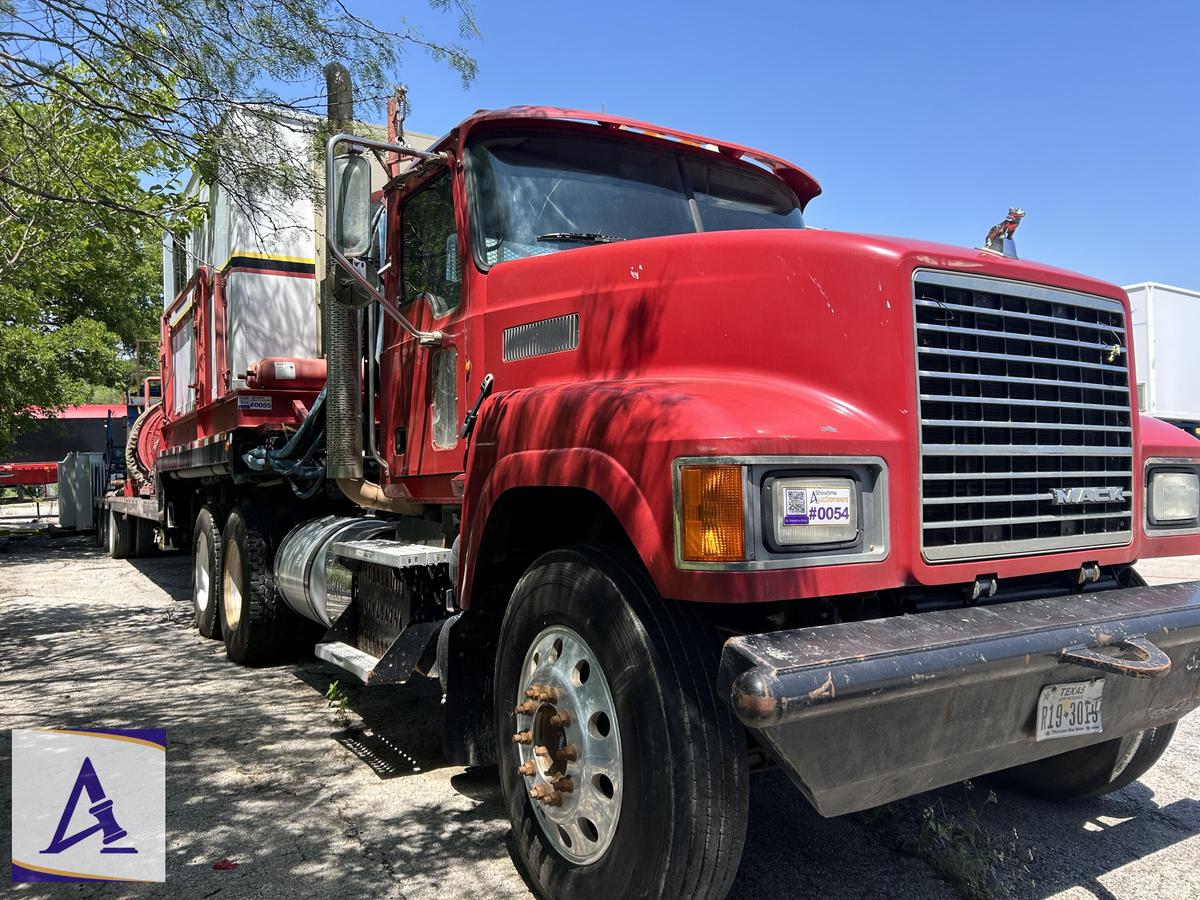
(1000, 238)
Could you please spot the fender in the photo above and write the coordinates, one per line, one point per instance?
(625, 435)
(1162, 440)
(574, 467)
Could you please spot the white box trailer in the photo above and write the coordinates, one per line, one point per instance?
(250, 249)
(1166, 349)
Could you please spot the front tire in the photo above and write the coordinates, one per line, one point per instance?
(673, 754)
(207, 572)
(255, 621)
(1092, 771)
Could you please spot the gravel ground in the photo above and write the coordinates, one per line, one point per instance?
(260, 772)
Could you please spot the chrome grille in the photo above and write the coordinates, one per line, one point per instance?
(1022, 390)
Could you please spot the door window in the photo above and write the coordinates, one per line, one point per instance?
(429, 248)
(445, 399)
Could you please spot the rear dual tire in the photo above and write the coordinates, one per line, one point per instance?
(127, 537)
(120, 534)
(207, 572)
(258, 626)
(680, 773)
(145, 537)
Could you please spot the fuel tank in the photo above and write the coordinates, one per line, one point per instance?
(311, 580)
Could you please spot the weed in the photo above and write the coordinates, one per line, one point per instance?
(339, 702)
(965, 853)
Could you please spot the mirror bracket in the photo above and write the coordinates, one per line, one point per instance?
(359, 144)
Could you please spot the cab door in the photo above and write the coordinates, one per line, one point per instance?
(426, 384)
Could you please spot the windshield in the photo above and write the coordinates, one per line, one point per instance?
(543, 193)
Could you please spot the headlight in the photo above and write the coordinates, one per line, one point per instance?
(1174, 497)
(813, 510)
(756, 513)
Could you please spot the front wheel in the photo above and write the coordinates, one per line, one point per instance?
(623, 773)
(1092, 771)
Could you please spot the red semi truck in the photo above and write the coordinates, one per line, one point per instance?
(664, 486)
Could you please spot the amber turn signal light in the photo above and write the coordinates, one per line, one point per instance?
(713, 526)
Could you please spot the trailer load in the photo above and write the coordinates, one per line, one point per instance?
(1166, 322)
(574, 414)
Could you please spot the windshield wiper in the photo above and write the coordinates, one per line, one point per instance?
(579, 237)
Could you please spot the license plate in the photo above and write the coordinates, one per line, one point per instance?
(1067, 710)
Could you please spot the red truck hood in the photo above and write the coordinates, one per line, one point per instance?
(972, 259)
(808, 305)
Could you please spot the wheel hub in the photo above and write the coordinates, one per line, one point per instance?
(231, 588)
(202, 575)
(569, 745)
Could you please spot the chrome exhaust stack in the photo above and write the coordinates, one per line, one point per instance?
(347, 236)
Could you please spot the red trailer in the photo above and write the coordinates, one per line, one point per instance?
(28, 474)
(662, 484)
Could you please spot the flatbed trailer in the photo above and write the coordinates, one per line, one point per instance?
(26, 474)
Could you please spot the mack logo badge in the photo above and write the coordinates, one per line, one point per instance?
(1072, 496)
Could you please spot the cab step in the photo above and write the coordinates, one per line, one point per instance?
(347, 657)
(393, 554)
(395, 613)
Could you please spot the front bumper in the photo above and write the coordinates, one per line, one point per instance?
(863, 713)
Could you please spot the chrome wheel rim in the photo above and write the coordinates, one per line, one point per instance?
(202, 573)
(232, 587)
(569, 745)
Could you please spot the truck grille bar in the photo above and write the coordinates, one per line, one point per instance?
(1022, 391)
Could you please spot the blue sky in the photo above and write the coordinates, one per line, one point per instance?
(919, 119)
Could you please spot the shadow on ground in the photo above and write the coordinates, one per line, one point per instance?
(262, 772)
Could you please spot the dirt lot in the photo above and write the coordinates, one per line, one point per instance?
(260, 771)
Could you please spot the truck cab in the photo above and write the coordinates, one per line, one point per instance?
(664, 485)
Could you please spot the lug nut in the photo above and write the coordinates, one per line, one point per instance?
(526, 768)
(564, 784)
(547, 694)
(533, 692)
(562, 719)
(523, 737)
(546, 795)
(527, 708)
(543, 752)
(569, 753)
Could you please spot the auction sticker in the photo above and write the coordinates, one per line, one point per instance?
(816, 506)
(253, 401)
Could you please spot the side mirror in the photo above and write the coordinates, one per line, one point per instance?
(348, 222)
(350, 195)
